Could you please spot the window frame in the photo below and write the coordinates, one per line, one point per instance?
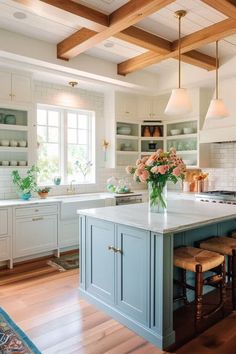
(63, 139)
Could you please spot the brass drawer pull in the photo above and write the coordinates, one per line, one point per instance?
(111, 248)
(116, 250)
(37, 219)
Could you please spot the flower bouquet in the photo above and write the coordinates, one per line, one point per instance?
(156, 170)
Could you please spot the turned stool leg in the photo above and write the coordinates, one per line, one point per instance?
(234, 279)
(184, 282)
(198, 294)
(229, 269)
(223, 287)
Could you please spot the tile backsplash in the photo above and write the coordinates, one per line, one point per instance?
(222, 171)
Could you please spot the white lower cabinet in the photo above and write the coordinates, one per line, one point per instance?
(69, 233)
(5, 249)
(34, 234)
(5, 234)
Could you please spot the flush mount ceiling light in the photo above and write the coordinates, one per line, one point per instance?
(217, 107)
(73, 83)
(179, 101)
(109, 44)
(19, 15)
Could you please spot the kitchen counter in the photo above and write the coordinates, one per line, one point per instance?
(126, 259)
(181, 215)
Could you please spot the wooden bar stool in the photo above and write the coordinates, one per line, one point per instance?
(227, 247)
(199, 261)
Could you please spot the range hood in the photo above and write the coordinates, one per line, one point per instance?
(222, 129)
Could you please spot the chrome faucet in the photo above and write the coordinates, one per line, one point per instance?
(71, 189)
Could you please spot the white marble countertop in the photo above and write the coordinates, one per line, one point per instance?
(181, 215)
(87, 196)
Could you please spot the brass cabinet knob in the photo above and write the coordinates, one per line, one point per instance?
(118, 250)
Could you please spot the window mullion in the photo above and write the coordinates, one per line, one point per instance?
(65, 147)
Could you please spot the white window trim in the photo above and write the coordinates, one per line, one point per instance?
(63, 141)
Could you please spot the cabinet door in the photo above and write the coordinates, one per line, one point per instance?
(100, 261)
(134, 273)
(5, 86)
(5, 250)
(144, 106)
(34, 235)
(21, 88)
(69, 233)
(4, 222)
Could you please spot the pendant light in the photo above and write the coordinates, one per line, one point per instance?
(179, 102)
(217, 107)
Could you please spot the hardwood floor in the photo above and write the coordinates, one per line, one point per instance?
(48, 308)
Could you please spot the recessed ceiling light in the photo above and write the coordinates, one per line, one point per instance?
(19, 15)
(73, 83)
(109, 44)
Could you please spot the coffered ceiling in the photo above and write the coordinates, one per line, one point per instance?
(50, 23)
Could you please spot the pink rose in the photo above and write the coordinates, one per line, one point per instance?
(149, 162)
(176, 171)
(163, 169)
(139, 171)
(138, 162)
(154, 169)
(144, 176)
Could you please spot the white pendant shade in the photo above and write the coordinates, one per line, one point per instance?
(217, 109)
(179, 102)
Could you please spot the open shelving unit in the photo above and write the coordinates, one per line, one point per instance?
(136, 145)
(17, 132)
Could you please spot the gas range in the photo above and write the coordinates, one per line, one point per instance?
(223, 197)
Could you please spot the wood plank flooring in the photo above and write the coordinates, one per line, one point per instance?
(48, 308)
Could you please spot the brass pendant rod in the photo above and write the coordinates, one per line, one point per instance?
(217, 72)
(179, 51)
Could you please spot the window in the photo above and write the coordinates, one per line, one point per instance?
(66, 145)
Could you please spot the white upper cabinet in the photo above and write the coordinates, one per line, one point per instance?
(126, 106)
(15, 87)
(145, 110)
(21, 88)
(5, 86)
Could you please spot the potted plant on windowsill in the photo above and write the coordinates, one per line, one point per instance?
(26, 185)
(43, 192)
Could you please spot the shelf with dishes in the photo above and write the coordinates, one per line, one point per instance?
(14, 150)
(181, 129)
(182, 136)
(127, 137)
(12, 127)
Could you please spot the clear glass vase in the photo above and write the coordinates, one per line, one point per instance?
(157, 197)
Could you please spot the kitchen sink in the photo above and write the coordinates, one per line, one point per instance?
(71, 203)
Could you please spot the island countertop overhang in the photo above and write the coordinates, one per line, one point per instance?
(181, 215)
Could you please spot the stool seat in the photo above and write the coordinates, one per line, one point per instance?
(189, 257)
(222, 245)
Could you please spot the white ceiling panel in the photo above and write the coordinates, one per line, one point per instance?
(105, 6)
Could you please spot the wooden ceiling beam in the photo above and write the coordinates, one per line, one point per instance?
(145, 40)
(226, 7)
(150, 58)
(191, 42)
(124, 17)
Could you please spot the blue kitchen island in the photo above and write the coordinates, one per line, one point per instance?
(126, 259)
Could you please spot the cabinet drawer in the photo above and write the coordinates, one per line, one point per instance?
(36, 210)
(5, 248)
(34, 234)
